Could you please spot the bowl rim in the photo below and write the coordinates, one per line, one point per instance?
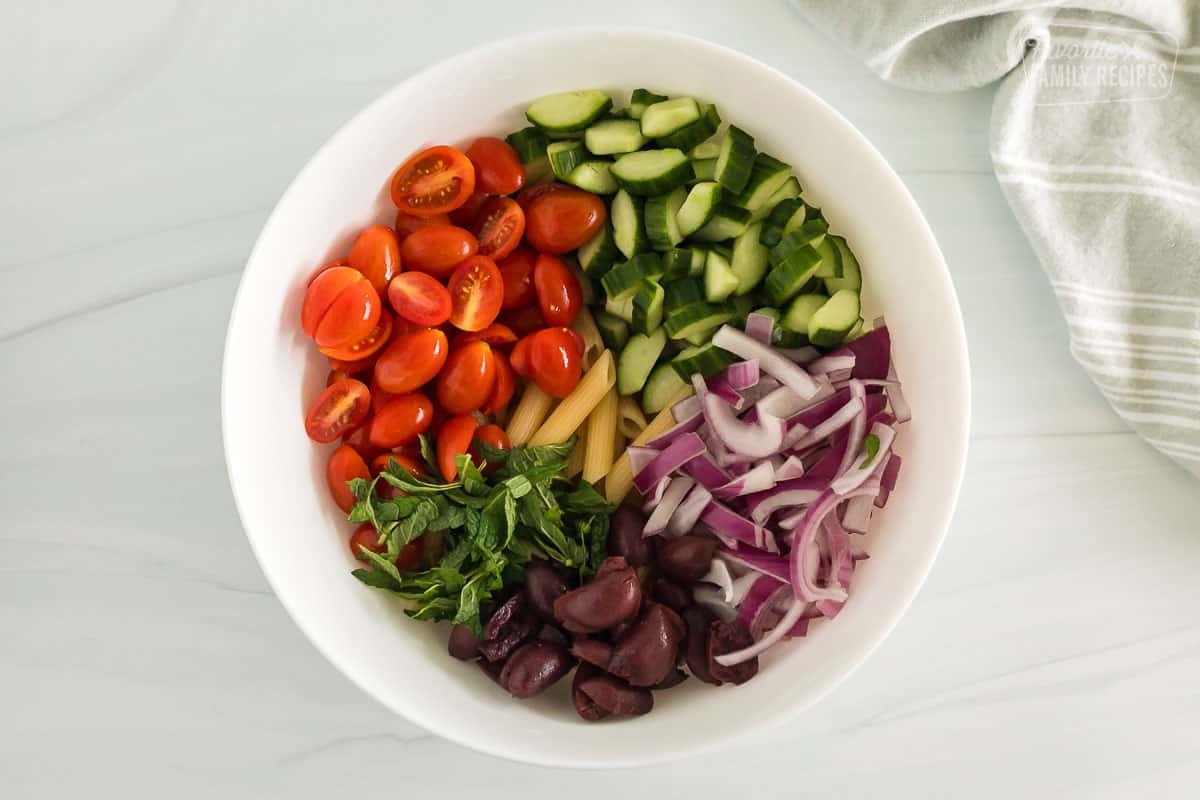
(665, 752)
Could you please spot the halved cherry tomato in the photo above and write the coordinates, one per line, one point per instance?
(524, 321)
(419, 298)
(476, 291)
(493, 436)
(365, 536)
(519, 357)
(554, 360)
(531, 193)
(464, 216)
(467, 380)
(516, 269)
(340, 307)
(411, 360)
(437, 249)
(454, 438)
(335, 375)
(498, 168)
(376, 254)
(410, 464)
(499, 227)
(559, 295)
(358, 439)
(505, 386)
(358, 365)
(558, 222)
(365, 347)
(343, 465)
(406, 224)
(337, 262)
(497, 335)
(401, 420)
(434, 181)
(338, 409)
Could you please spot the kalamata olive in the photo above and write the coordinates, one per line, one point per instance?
(598, 695)
(646, 654)
(543, 585)
(672, 680)
(685, 559)
(592, 651)
(463, 643)
(613, 596)
(671, 594)
(534, 667)
(491, 670)
(554, 635)
(625, 537)
(698, 621)
(727, 637)
(511, 624)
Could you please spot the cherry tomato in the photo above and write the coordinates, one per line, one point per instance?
(519, 357)
(493, 436)
(464, 216)
(335, 375)
(340, 307)
(468, 378)
(524, 321)
(580, 345)
(411, 360)
(365, 536)
(454, 438)
(498, 168)
(337, 262)
(376, 254)
(531, 193)
(476, 291)
(434, 181)
(437, 248)
(406, 224)
(558, 222)
(554, 361)
(505, 386)
(357, 438)
(344, 464)
(497, 335)
(401, 420)
(366, 347)
(516, 269)
(410, 464)
(499, 226)
(419, 298)
(559, 295)
(379, 395)
(338, 409)
(411, 555)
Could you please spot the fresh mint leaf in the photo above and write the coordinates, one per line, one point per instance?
(377, 579)
(361, 488)
(384, 565)
(407, 483)
(471, 478)
(426, 511)
(493, 455)
(584, 499)
(871, 446)
(428, 455)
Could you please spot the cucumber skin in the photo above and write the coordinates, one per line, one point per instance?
(637, 359)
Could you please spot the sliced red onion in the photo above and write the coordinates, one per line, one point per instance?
(671, 498)
(899, 405)
(857, 551)
(656, 494)
(841, 567)
(706, 471)
(640, 457)
(838, 376)
(792, 467)
(739, 468)
(757, 600)
(834, 362)
(882, 498)
(872, 352)
(753, 394)
(793, 615)
(787, 494)
(826, 465)
(685, 409)
(755, 440)
(781, 402)
(673, 433)
(775, 566)
(742, 585)
(714, 600)
(890, 473)
(857, 515)
(800, 355)
(688, 513)
(756, 479)
(718, 575)
(759, 327)
(741, 375)
(857, 428)
(769, 361)
(859, 470)
(805, 555)
(718, 386)
(676, 454)
(731, 525)
(836, 421)
(811, 414)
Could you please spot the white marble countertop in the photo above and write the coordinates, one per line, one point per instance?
(1054, 652)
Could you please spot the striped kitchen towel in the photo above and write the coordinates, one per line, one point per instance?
(1096, 143)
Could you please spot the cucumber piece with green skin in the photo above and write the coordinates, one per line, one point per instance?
(676, 263)
(568, 112)
(699, 207)
(749, 260)
(727, 222)
(621, 309)
(647, 307)
(741, 309)
(696, 318)
(638, 357)
(836, 318)
(789, 190)
(668, 116)
(831, 259)
(614, 136)
(691, 135)
(683, 292)
(735, 161)
(851, 277)
(652, 172)
(661, 387)
(706, 359)
(662, 225)
(704, 151)
(699, 259)
(705, 169)
(814, 228)
(789, 276)
(598, 254)
(623, 280)
(810, 234)
(530, 144)
(565, 156)
(614, 331)
(766, 178)
(629, 224)
(799, 311)
(593, 176)
(855, 332)
(719, 279)
(779, 218)
(640, 100)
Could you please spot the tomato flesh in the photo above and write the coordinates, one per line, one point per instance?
(499, 227)
(559, 294)
(467, 380)
(436, 249)
(366, 347)
(519, 357)
(412, 360)
(337, 410)
(344, 464)
(554, 361)
(434, 181)
(340, 307)
(498, 168)
(476, 291)
(453, 439)
(516, 269)
(401, 420)
(376, 254)
(560, 221)
(419, 298)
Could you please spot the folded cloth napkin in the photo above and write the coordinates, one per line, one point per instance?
(1096, 143)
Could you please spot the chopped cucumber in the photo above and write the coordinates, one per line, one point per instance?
(629, 225)
(621, 309)
(811, 229)
(727, 222)
(735, 160)
(691, 135)
(719, 278)
(705, 169)
(831, 259)
(706, 359)
(749, 261)
(652, 172)
(789, 275)
(661, 387)
(593, 176)
(836, 318)
(530, 144)
(808, 234)
(699, 207)
(705, 150)
(767, 176)
(676, 263)
(855, 332)
(799, 311)
(789, 190)
(779, 218)
(696, 318)
(640, 100)
(637, 359)
(669, 116)
(613, 330)
(623, 279)
(565, 156)
(661, 224)
(683, 292)
(851, 277)
(568, 112)
(647, 307)
(598, 254)
(614, 136)
(699, 258)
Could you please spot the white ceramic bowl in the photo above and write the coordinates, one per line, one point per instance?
(271, 372)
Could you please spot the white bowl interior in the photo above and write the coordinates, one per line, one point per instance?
(272, 372)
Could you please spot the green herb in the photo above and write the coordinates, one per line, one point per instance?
(871, 445)
(492, 525)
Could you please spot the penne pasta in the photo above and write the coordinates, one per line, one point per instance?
(593, 345)
(630, 419)
(576, 406)
(578, 456)
(601, 427)
(529, 414)
(620, 479)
